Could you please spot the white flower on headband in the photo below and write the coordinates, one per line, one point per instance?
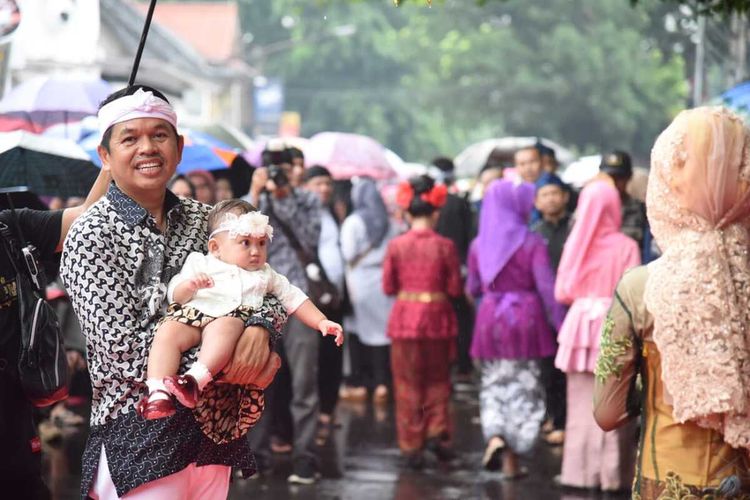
(253, 224)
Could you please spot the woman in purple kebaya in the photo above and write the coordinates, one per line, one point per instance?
(515, 325)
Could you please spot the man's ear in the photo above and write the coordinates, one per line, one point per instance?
(536, 202)
(180, 146)
(103, 155)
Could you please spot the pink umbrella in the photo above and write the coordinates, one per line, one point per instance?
(349, 155)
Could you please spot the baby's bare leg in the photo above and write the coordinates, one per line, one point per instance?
(170, 341)
(218, 343)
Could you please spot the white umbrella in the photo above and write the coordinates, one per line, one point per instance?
(471, 160)
(578, 173)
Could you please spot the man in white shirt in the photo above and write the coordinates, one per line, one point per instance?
(318, 180)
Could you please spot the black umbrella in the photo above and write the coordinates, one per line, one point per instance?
(20, 197)
(46, 165)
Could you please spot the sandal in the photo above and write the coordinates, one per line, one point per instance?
(555, 438)
(380, 395)
(492, 455)
(520, 473)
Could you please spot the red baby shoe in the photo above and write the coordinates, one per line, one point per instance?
(184, 388)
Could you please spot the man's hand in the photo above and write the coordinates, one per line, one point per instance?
(252, 363)
(260, 182)
(76, 361)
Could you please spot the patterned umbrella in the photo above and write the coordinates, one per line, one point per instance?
(349, 155)
(42, 102)
(46, 165)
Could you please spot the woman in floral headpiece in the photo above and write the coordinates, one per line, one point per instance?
(422, 270)
(515, 325)
(683, 321)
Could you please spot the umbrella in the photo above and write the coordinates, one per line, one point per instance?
(231, 136)
(738, 98)
(46, 165)
(253, 155)
(74, 131)
(578, 173)
(42, 102)
(471, 160)
(21, 197)
(201, 152)
(349, 155)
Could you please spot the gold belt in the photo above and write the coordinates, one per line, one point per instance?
(424, 297)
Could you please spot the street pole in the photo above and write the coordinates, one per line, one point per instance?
(737, 50)
(700, 55)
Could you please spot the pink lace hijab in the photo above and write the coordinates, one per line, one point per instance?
(698, 205)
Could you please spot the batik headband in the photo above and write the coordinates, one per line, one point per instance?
(253, 224)
(141, 104)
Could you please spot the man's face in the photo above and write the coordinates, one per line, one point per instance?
(143, 155)
(551, 200)
(204, 190)
(489, 175)
(321, 185)
(549, 164)
(223, 190)
(528, 164)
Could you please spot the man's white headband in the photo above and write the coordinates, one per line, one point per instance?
(253, 224)
(141, 104)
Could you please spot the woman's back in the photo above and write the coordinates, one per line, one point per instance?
(422, 270)
(671, 454)
(517, 308)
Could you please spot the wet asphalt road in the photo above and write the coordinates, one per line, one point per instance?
(360, 461)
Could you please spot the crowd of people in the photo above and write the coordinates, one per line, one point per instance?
(520, 293)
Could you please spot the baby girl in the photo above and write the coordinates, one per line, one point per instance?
(210, 300)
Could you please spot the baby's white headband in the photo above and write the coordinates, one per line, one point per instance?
(141, 104)
(253, 224)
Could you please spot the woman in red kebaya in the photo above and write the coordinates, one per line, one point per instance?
(422, 270)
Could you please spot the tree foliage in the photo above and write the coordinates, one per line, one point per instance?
(591, 74)
(710, 7)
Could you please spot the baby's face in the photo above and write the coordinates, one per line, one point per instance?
(249, 253)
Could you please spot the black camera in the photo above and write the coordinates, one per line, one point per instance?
(273, 159)
(277, 175)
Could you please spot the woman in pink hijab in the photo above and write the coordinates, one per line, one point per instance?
(683, 322)
(594, 257)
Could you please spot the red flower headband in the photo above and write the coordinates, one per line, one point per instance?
(435, 196)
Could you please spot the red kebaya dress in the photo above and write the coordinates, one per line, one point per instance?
(422, 270)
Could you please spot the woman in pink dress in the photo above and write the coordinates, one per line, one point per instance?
(422, 269)
(594, 258)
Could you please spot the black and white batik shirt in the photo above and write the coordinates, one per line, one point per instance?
(116, 265)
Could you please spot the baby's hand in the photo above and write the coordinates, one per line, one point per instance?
(328, 327)
(201, 280)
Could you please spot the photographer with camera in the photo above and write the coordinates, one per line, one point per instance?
(20, 460)
(295, 217)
